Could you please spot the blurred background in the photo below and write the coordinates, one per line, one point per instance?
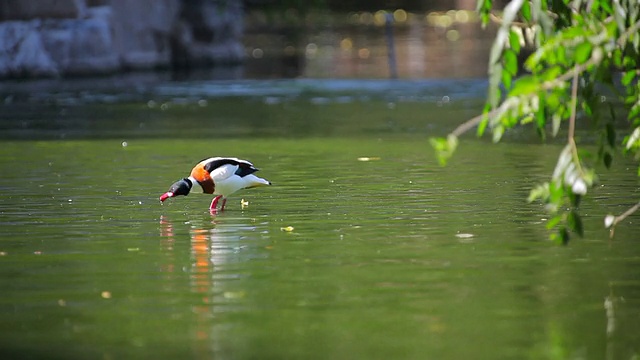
(243, 39)
(154, 68)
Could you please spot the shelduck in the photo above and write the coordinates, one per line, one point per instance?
(220, 176)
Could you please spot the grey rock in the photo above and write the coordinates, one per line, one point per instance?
(22, 52)
(70, 37)
(42, 9)
(144, 44)
(82, 46)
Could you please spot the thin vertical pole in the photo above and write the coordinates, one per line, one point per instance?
(393, 72)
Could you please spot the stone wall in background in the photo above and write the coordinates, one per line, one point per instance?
(84, 37)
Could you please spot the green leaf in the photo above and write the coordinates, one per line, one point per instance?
(619, 15)
(606, 6)
(483, 7)
(556, 124)
(495, 76)
(524, 85)
(552, 73)
(629, 62)
(564, 236)
(553, 222)
(553, 100)
(574, 222)
(534, 59)
(573, 32)
(527, 119)
(628, 77)
(565, 158)
(526, 11)
(498, 131)
(583, 52)
(561, 55)
(608, 159)
(561, 236)
(506, 79)
(485, 120)
(634, 139)
(510, 61)
(539, 192)
(514, 40)
(575, 199)
(444, 148)
(611, 135)
(483, 126)
(612, 112)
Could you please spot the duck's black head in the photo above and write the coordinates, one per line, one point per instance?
(180, 187)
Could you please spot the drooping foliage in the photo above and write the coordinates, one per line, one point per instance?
(577, 49)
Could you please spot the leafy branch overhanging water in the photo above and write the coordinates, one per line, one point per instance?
(585, 43)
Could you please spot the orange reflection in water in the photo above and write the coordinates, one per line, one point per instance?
(215, 245)
(200, 280)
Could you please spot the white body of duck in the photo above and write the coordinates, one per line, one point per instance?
(221, 176)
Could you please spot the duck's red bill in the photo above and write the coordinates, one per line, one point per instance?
(166, 195)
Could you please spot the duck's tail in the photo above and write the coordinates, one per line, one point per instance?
(255, 181)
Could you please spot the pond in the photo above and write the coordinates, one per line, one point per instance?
(363, 247)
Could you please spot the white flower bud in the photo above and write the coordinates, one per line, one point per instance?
(608, 221)
(579, 187)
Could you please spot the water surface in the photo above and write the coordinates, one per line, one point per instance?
(362, 248)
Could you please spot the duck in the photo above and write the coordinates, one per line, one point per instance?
(220, 176)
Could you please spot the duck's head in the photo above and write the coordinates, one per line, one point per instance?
(180, 187)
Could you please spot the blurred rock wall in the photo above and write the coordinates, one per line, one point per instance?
(82, 37)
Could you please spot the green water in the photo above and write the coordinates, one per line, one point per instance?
(342, 258)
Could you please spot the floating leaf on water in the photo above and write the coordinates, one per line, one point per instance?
(106, 294)
(233, 294)
(244, 203)
(464, 236)
(133, 249)
(367, 158)
(287, 228)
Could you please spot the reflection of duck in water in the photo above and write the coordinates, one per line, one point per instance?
(219, 176)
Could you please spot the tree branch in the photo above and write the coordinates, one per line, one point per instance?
(547, 85)
(471, 123)
(619, 218)
(631, 30)
(574, 103)
(498, 20)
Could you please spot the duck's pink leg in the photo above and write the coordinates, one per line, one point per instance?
(214, 203)
(224, 202)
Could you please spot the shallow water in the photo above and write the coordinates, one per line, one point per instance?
(362, 248)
